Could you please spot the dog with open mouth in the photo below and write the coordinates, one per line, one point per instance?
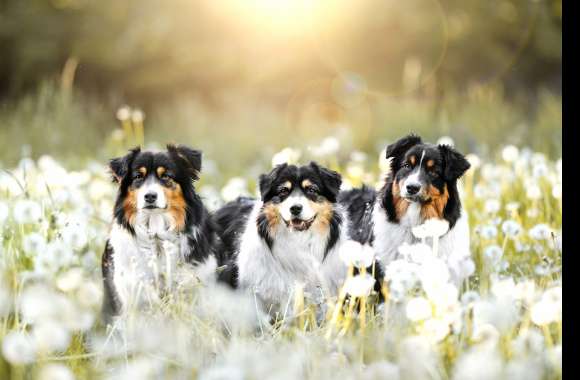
(291, 235)
(422, 184)
(159, 223)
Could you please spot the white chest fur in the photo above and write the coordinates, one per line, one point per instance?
(145, 263)
(388, 237)
(295, 258)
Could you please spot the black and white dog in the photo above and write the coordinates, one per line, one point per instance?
(422, 184)
(159, 223)
(290, 236)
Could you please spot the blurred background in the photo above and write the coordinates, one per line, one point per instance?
(242, 79)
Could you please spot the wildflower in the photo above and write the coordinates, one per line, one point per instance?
(512, 207)
(4, 212)
(469, 297)
(18, 348)
(358, 157)
(485, 334)
(235, 188)
(557, 191)
(354, 253)
(525, 291)
(418, 309)
(533, 212)
(70, 280)
(433, 274)
(55, 371)
(477, 364)
(328, 147)
(492, 206)
(540, 232)
(431, 228)
(50, 336)
(493, 253)
(360, 285)
(510, 153)
(137, 116)
(533, 192)
(474, 160)
(381, 370)
(27, 211)
(33, 243)
(446, 140)
(436, 329)
(286, 156)
(544, 313)
(511, 228)
(416, 253)
(89, 294)
(123, 113)
(488, 232)
(384, 163)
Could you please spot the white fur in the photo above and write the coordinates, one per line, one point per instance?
(296, 258)
(149, 262)
(151, 186)
(296, 198)
(453, 246)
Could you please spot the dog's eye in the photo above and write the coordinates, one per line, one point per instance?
(312, 190)
(139, 176)
(406, 165)
(165, 177)
(283, 191)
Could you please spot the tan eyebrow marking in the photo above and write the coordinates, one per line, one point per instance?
(160, 171)
(306, 183)
(288, 184)
(413, 160)
(430, 163)
(142, 170)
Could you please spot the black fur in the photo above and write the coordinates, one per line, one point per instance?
(359, 205)
(111, 302)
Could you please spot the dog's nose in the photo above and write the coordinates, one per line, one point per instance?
(296, 210)
(150, 197)
(413, 188)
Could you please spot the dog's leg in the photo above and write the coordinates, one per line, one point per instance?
(111, 301)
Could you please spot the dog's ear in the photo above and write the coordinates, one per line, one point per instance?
(396, 150)
(455, 164)
(189, 158)
(267, 180)
(331, 180)
(120, 166)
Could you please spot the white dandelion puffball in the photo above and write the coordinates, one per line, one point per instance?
(510, 153)
(50, 336)
(511, 228)
(18, 348)
(360, 285)
(446, 140)
(356, 254)
(473, 160)
(286, 156)
(418, 309)
(431, 228)
(533, 192)
(328, 147)
(540, 232)
(544, 313)
(436, 329)
(33, 243)
(236, 187)
(416, 253)
(27, 211)
(492, 206)
(4, 212)
(123, 113)
(55, 371)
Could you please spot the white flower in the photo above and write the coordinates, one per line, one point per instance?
(124, 113)
(286, 156)
(474, 160)
(511, 228)
(137, 116)
(27, 211)
(235, 188)
(50, 336)
(436, 329)
(540, 232)
(510, 153)
(492, 206)
(493, 254)
(557, 191)
(89, 294)
(544, 313)
(75, 235)
(433, 274)
(4, 212)
(359, 286)
(416, 253)
(418, 309)
(55, 371)
(488, 232)
(381, 370)
(354, 253)
(328, 147)
(525, 291)
(533, 192)
(33, 243)
(470, 297)
(478, 365)
(431, 228)
(446, 140)
(503, 288)
(18, 348)
(512, 207)
(70, 280)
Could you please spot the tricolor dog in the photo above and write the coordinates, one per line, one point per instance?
(422, 184)
(159, 223)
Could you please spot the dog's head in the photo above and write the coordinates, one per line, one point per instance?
(424, 173)
(155, 182)
(299, 197)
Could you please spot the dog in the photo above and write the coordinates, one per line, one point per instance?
(422, 184)
(291, 235)
(159, 223)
